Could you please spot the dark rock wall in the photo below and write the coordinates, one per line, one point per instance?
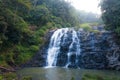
(98, 51)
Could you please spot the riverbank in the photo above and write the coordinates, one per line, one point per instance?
(13, 76)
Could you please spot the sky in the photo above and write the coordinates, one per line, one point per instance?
(87, 5)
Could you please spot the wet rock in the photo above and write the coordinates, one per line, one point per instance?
(97, 51)
(96, 47)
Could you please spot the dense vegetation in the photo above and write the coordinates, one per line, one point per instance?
(111, 15)
(24, 23)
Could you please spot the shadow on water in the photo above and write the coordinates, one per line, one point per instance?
(57, 73)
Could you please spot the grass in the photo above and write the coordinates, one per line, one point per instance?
(13, 76)
(87, 27)
(98, 77)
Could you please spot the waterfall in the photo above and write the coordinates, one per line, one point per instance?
(74, 48)
(64, 42)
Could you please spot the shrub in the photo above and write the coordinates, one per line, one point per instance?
(86, 27)
(1, 77)
(34, 48)
(9, 76)
(24, 53)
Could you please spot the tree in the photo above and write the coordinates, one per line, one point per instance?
(12, 24)
(38, 15)
(111, 15)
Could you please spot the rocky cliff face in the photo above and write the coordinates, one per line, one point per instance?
(97, 51)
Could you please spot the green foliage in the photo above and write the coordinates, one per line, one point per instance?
(72, 78)
(24, 54)
(86, 27)
(59, 12)
(117, 30)
(1, 77)
(9, 76)
(38, 16)
(34, 48)
(3, 61)
(95, 31)
(41, 32)
(63, 10)
(12, 26)
(24, 24)
(13, 76)
(68, 25)
(111, 15)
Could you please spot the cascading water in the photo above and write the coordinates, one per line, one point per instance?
(74, 49)
(54, 46)
(64, 44)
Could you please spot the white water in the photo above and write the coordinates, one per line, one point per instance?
(54, 46)
(75, 41)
